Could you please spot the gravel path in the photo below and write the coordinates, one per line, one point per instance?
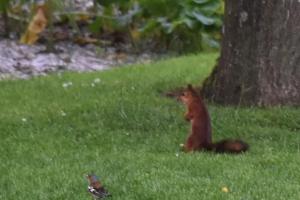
(23, 61)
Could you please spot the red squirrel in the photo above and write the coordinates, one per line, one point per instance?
(200, 137)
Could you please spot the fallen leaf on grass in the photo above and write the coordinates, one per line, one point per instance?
(225, 189)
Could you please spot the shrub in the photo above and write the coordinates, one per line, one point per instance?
(188, 25)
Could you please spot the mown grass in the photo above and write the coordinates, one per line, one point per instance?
(126, 132)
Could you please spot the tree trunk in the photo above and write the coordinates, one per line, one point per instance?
(260, 55)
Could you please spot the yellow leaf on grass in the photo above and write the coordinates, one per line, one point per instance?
(35, 27)
(225, 189)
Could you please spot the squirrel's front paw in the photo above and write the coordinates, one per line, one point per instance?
(187, 117)
(182, 147)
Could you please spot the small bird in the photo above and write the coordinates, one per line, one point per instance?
(95, 187)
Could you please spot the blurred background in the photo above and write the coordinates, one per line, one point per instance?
(86, 35)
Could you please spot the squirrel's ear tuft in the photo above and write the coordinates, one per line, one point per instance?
(190, 87)
(192, 90)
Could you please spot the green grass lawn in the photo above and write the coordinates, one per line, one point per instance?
(126, 132)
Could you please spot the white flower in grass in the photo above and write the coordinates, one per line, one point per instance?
(24, 120)
(177, 154)
(93, 84)
(63, 113)
(97, 80)
(67, 84)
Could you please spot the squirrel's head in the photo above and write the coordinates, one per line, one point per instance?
(188, 94)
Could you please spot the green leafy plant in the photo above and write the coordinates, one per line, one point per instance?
(176, 25)
(192, 23)
(188, 25)
(3, 9)
(3, 5)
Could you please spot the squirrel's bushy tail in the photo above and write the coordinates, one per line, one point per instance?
(230, 146)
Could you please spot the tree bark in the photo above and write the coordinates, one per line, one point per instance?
(260, 54)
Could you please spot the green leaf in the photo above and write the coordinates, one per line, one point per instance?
(211, 7)
(96, 25)
(174, 25)
(200, 1)
(149, 27)
(3, 5)
(167, 26)
(122, 3)
(203, 19)
(188, 22)
(209, 40)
